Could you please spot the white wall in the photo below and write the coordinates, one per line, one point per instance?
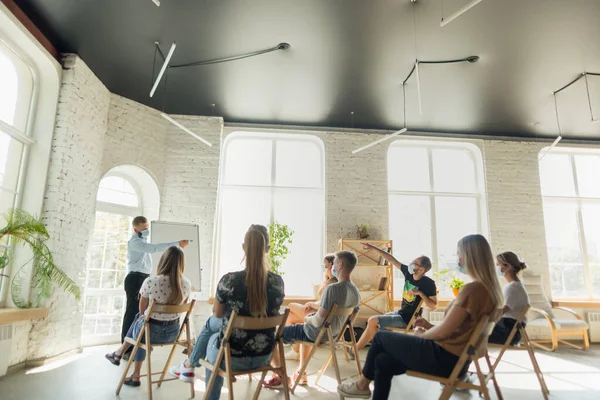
(96, 131)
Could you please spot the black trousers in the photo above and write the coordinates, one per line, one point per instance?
(392, 354)
(502, 330)
(133, 284)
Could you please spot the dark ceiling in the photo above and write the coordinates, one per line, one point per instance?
(346, 56)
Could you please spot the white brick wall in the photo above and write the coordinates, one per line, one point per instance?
(68, 212)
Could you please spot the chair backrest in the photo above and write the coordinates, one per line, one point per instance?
(515, 328)
(170, 309)
(256, 323)
(415, 314)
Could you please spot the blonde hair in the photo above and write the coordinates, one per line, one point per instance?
(479, 262)
(256, 244)
(172, 264)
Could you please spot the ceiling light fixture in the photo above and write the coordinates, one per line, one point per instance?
(157, 2)
(415, 69)
(587, 89)
(461, 11)
(183, 128)
(559, 138)
(164, 67)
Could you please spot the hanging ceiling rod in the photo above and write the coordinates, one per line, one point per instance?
(458, 13)
(470, 59)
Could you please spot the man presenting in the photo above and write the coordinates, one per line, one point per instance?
(139, 267)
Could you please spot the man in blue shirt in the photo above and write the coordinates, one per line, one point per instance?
(139, 267)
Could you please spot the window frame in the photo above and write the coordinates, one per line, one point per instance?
(274, 137)
(476, 157)
(578, 201)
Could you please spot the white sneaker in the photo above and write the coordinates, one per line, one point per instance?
(292, 355)
(183, 373)
(348, 388)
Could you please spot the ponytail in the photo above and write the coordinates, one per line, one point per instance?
(256, 243)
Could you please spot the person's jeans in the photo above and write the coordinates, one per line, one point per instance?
(392, 354)
(207, 347)
(160, 332)
(390, 320)
(212, 326)
(133, 284)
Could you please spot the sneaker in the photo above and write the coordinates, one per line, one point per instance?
(348, 388)
(303, 381)
(350, 352)
(275, 382)
(183, 373)
(292, 355)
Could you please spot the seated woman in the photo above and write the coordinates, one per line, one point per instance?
(515, 297)
(169, 286)
(434, 350)
(253, 292)
(298, 311)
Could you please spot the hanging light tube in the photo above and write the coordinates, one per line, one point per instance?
(558, 139)
(183, 128)
(163, 69)
(549, 149)
(383, 139)
(587, 89)
(157, 2)
(461, 11)
(418, 86)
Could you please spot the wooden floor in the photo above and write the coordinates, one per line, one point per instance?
(570, 374)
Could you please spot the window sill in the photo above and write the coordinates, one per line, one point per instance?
(10, 315)
(576, 303)
(286, 301)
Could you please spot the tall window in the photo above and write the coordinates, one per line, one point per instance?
(118, 202)
(16, 93)
(274, 177)
(571, 193)
(436, 196)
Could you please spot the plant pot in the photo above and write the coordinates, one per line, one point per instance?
(455, 292)
(363, 235)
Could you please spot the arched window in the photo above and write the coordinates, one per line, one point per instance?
(436, 196)
(274, 177)
(124, 193)
(571, 196)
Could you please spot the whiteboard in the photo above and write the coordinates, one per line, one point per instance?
(162, 231)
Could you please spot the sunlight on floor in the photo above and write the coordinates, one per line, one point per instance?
(56, 364)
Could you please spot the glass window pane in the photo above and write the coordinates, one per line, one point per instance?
(588, 171)
(454, 171)
(410, 231)
(298, 164)
(556, 175)
(240, 208)
(303, 212)
(11, 153)
(117, 190)
(7, 201)
(16, 88)
(591, 226)
(408, 168)
(564, 250)
(248, 162)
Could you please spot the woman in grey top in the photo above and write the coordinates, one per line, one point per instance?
(515, 298)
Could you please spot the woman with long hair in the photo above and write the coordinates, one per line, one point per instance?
(515, 298)
(253, 292)
(434, 349)
(169, 286)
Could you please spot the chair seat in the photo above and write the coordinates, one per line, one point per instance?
(561, 324)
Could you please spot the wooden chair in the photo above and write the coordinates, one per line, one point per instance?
(474, 350)
(560, 327)
(525, 344)
(148, 345)
(332, 343)
(409, 326)
(249, 324)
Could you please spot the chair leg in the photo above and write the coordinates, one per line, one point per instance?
(448, 390)
(188, 338)
(586, 340)
(213, 375)
(149, 361)
(260, 383)
(482, 384)
(286, 386)
(229, 371)
(334, 356)
(536, 366)
(323, 368)
(167, 364)
(127, 367)
(301, 372)
(356, 358)
(493, 373)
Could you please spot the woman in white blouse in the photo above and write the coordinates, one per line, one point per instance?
(169, 286)
(515, 298)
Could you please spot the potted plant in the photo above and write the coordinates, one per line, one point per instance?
(455, 284)
(21, 228)
(363, 231)
(280, 236)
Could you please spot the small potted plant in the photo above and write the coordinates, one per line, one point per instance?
(455, 285)
(363, 231)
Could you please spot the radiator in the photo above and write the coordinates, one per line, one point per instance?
(435, 317)
(594, 321)
(5, 347)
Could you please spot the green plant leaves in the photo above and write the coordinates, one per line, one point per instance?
(280, 236)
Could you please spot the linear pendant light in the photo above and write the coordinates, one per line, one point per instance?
(559, 138)
(163, 69)
(461, 11)
(383, 139)
(183, 128)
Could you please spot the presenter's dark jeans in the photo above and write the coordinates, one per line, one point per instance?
(393, 353)
(133, 284)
